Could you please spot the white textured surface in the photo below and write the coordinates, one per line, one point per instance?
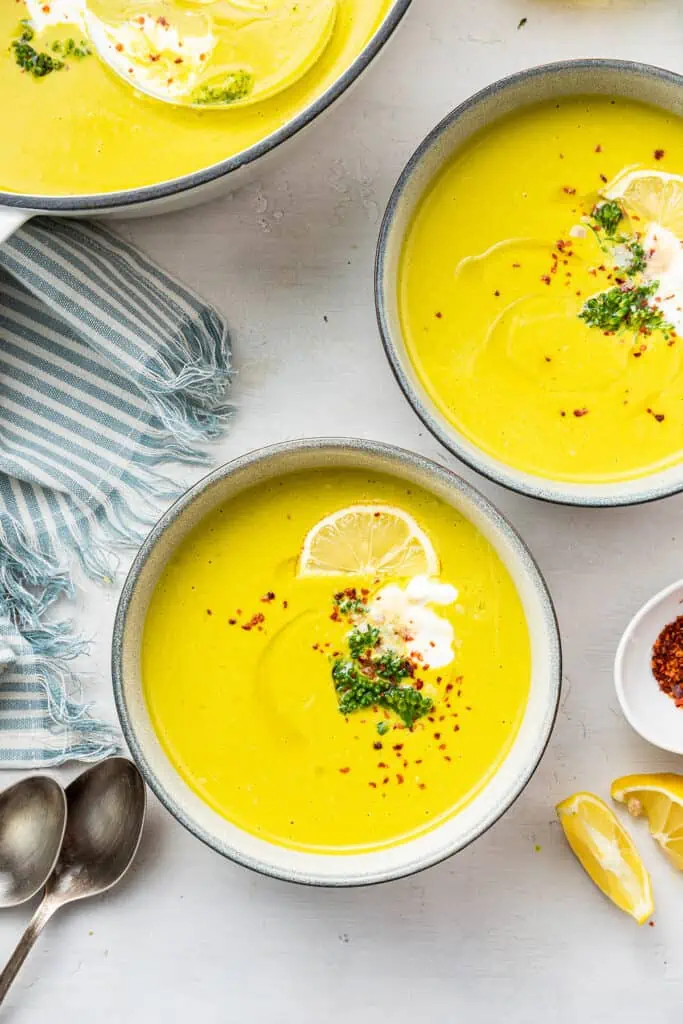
(502, 931)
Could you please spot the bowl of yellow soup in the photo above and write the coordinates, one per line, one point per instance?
(529, 282)
(335, 662)
(257, 72)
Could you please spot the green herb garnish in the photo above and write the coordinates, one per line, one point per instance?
(363, 639)
(358, 691)
(236, 87)
(408, 703)
(391, 666)
(383, 728)
(609, 216)
(637, 261)
(349, 603)
(39, 63)
(626, 307)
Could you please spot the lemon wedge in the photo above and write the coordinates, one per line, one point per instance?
(654, 196)
(607, 854)
(659, 798)
(368, 540)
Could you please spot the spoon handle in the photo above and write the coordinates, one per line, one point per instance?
(25, 944)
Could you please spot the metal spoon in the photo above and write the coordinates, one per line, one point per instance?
(32, 820)
(105, 814)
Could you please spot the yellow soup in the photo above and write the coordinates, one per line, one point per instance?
(81, 129)
(237, 665)
(502, 257)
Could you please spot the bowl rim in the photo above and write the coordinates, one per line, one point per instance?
(618, 670)
(530, 485)
(186, 182)
(399, 457)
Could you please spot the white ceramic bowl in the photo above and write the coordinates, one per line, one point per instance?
(649, 711)
(216, 831)
(580, 77)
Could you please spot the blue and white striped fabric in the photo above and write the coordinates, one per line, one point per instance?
(108, 369)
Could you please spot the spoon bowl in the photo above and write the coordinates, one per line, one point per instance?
(32, 822)
(106, 809)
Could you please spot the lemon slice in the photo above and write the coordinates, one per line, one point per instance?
(659, 798)
(368, 540)
(606, 852)
(654, 196)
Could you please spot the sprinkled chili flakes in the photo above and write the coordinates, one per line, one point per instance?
(659, 154)
(667, 661)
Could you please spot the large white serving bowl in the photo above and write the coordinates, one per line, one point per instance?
(652, 85)
(208, 182)
(334, 869)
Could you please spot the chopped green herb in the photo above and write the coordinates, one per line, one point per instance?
(391, 666)
(236, 87)
(609, 216)
(39, 63)
(408, 703)
(638, 262)
(383, 728)
(345, 674)
(363, 639)
(522, 23)
(348, 605)
(363, 694)
(626, 307)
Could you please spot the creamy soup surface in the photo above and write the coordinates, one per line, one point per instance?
(252, 673)
(72, 126)
(506, 253)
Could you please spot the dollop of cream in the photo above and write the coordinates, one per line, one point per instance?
(56, 12)
(412, 628)
(664, 263)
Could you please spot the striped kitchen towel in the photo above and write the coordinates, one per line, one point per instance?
(109, 368)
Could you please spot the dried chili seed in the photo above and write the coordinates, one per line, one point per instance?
(667, 660)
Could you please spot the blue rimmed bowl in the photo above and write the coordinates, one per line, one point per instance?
(447, 837)
(642, 82)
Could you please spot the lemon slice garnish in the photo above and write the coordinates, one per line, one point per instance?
(368, 540)
(606, 852)
(659, 799)
(654, 196)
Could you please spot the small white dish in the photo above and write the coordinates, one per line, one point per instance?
(650, 712)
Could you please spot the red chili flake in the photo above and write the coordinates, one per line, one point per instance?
(651, 924)
(437, 735)
(422, 785)
(344, 771)
(442, 746)
(398, 746)
(447, 758)
(547, 359)
(603, 179)
(497, 293)
(419, 761)
(385, 780)
(439, 316)
(419, 684)
(232, 622)
(569, 190)
(516, 266)
(598, 148)
(254, 621)
(438, 679)
(657, 415)
(209, 612)
(154, 57)
(659, 154)
(546, 279)
(667, 660)
(373, 784)
(267, 598)
(119, 47)
(400, 779)
(381, 764)
(580, 412)
(456, 728)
